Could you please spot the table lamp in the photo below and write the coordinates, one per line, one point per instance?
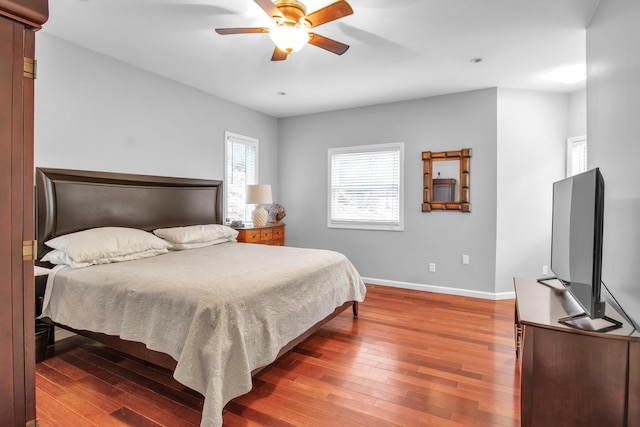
(259, 194)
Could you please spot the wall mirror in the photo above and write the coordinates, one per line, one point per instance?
(446, 180)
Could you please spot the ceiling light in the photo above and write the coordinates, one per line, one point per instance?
(568, 75)
(289, 38)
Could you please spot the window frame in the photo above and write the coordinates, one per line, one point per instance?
(247, 140)
(363, 224)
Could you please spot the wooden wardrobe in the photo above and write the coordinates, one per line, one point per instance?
(19, 19)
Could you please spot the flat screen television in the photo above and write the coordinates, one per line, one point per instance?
(576, 240)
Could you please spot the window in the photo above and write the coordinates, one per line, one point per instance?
(366, 187)
(241, 169)
(576, 155)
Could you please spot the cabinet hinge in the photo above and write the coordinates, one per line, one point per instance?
(29, 250)
(30, 68)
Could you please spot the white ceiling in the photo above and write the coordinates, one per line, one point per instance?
(399, 50)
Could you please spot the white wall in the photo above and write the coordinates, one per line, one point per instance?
(532, 132)
(96, 113)
(613, 108)
(451, 122)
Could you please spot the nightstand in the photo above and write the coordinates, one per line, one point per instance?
(44, 330)
(40, 275)
(267, 235)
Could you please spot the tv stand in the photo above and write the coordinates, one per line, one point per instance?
(604, 324)
(552, 281)
(570, 322)
(569, 376)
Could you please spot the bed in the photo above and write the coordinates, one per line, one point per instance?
(216, 314)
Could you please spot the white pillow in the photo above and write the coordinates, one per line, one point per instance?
(195, 245)
(106, 244)
(58, 257)
(197, 233)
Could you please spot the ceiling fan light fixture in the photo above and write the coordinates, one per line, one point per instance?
(289, 38)
(291, 26)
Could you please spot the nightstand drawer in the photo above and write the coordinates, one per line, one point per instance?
(252, 236)
(278, 233)
(265, 234)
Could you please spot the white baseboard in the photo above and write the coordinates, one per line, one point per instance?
(441, 289)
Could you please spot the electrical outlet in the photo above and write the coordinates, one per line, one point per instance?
(465, 259)
(545, 269)
(432, 267)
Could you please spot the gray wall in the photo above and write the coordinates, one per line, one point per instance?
(613, 106)
(577, 113)
(96, 113)
(532, 133)
(439, 123)
(518, 140)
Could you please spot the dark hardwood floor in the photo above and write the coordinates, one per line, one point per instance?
(410, 359)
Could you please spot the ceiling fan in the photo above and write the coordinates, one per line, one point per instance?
(291, 32)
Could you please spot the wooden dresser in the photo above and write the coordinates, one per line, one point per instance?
(267, 235)
(572, 377)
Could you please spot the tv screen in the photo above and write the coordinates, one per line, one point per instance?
(576, 238)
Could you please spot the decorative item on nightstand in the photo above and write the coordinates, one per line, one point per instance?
(276, 213)
(259, 194)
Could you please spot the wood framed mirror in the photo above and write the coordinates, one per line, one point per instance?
(446, 180)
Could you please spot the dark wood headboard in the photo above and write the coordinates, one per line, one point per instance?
(74, 200)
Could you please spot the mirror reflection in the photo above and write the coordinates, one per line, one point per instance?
(445, 180)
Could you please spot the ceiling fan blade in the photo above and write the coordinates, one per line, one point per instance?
(279, 55)
(225, 31)
(270, 8)
(329, 13)
(328, 44)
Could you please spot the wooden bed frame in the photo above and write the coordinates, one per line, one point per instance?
(75, 200)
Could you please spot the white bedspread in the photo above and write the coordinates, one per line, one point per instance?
(220, 311)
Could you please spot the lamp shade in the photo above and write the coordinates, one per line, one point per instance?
(259, 194)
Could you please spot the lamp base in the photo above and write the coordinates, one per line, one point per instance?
(259, 216)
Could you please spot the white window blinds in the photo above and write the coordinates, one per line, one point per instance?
(365, 187)
(576, 155)
(241, 169)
